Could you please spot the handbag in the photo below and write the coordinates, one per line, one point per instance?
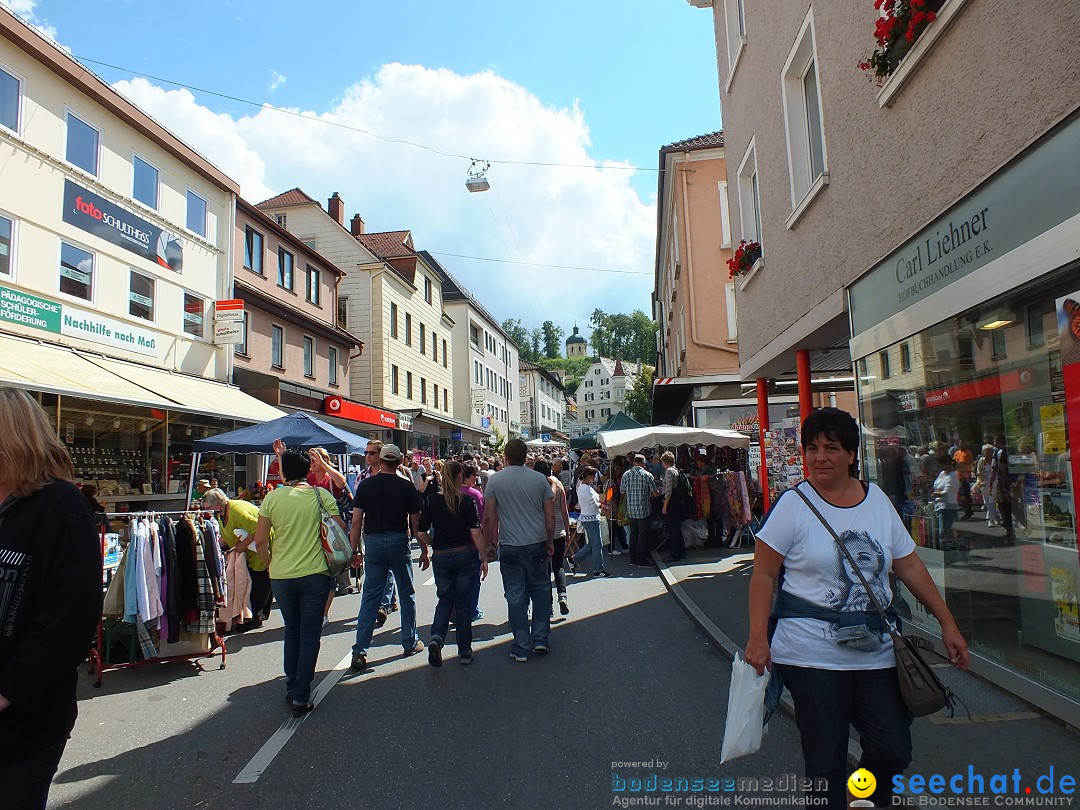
(922, 690)
(333, 540)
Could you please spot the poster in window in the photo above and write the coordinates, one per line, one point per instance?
(1066, 611)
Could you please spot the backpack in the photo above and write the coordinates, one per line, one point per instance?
(683, 494)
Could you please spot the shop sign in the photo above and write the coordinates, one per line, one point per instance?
(63, 319)
(229, 322)
(455, 435)
(908, 401)
(1014, 380)
(1036, 192)
(94, 214)
(404, 422)
(336, 406)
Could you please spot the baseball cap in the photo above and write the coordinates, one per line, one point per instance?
(639, 458)
(390, 452)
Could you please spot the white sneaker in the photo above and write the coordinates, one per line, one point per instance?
(615, 552)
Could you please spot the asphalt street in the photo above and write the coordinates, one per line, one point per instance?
(631, 687)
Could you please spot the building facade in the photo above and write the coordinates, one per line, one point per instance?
(485, 397)
(602, 392)
(542, 401)
(115, 243)
(926, 226)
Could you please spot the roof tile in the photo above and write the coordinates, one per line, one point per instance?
(287, 199)
(388, 244)
(699, 142)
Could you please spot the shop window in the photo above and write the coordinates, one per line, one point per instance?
(10, 95)
(408, 384)
(445, 361)
(905, 357)
(333, 365)
(313, 280)
(253, 251)
(393, 379)
(408, 329)
(245, 333)
(285, 264)
(141, 296)
(82, 144)
(194, 315)
(393, 320)
(7, 241)
(883, 359)
(145, 182)
(998, 340)
(277, 346)
(196, 213)
(1036, 334)
(76, 272)
(807, 162)
(309, 356)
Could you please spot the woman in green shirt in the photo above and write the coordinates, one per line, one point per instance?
(298, 570)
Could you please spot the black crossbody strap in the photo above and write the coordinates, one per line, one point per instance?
(854, 565)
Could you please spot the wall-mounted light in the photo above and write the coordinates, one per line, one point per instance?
(996, 319)
(116, 424)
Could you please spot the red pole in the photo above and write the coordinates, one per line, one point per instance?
(763, 425)
(806, 399)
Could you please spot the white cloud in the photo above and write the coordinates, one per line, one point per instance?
(25, 9)
(276, 81)
(589, 217)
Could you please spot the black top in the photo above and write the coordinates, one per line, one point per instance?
(452, 529)
(50, 603)
(387, 501)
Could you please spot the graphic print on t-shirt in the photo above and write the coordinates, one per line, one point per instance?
(14, 568)
(848, 592)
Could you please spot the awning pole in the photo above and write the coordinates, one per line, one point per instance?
(763, 425)
(806, 398)
(196, 458)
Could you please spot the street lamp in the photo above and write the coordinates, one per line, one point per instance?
(475, 181)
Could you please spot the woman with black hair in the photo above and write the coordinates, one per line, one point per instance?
(823, 635)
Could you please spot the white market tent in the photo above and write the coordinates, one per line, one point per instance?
(620, 442)
(541, 443)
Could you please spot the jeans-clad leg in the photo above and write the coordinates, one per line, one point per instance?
(884, 725)
(538, 578)
(639, 539)
(388, 594)
(463, 568)
(595, 546)
(376, 570)
(302, 601)
(516, 592)
(400, 558)
(557, 565)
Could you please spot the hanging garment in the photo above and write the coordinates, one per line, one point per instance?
(744, 497)
(718, 499)
(149, 597)
(702, 502)
(188, 581)
(172, 620)
(114, 597)
(204, 614)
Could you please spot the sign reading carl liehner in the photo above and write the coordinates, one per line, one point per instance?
(1031, 195)
(94, 214)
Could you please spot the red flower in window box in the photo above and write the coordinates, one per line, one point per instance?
(743, 259)
(897, 29)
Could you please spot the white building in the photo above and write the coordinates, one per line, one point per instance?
(602, 393)
(484, 396)
(543, 402)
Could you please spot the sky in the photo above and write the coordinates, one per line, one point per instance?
(324, 96)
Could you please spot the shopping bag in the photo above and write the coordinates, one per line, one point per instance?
(745, 710)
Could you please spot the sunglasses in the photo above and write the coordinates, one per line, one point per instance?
(371, 452)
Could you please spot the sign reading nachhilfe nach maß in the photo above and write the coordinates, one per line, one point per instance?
(63, 319)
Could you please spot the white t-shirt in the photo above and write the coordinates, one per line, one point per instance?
(947, 483)
(815, 569)
(588, 502)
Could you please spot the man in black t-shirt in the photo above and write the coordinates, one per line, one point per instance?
(386, 507)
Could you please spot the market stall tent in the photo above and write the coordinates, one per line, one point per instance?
(619, 421)
(620, 442)
(535, 443)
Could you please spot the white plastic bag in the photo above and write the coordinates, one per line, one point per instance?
(745, 710)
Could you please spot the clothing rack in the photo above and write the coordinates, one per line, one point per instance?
(98, 652)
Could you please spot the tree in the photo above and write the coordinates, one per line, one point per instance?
(536, 339)
(520, 335)
(629, 337)
(499, 443)
(553, 336)
(639, 397)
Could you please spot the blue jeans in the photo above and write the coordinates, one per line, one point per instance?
(595, 545)
(826, 703)
(301, 601)
(674, 521)
(384, 553)
(945, 519)
(476, 587)
(526, 575)
(454, 574)
(388, 594)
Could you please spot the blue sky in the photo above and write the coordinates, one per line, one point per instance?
(563, 82)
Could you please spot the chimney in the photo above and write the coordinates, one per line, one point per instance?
(336, 208)
(356, 225)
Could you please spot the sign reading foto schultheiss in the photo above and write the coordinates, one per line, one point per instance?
(85, 209)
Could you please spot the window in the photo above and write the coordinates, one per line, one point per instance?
(1035, 315)
(309, 356)
(145, 183)
(732, 315)
(7, 239)
(749, 196)
(313, 279)
(423, 340)
(242, 346)
(807, 161)
(408, 329)
(445, 362)
(253, 250)
(277, 346)
(886, 372)
(285, 262)
(393, 319)
(735, 23)
(905, 357)
(9, 101)
(998, 336)
(423, 391)
(408, 384)
(196, 213)
(445, 407)
(427, 289)
(435, 394)
(281, 220)
(76, 272)
(474, 336)
(393, 379)
(343, 311)
(333, 366)
(82, 144)
(434, 347)
(862, 368)
(194, 315)
(310, 243)
(141, 296)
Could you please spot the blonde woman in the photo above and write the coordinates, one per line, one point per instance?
(457, 543)
(50, 555)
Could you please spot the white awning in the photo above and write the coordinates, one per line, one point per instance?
(618, 442)
(61, 370)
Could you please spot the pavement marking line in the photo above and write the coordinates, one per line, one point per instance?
(265, 755)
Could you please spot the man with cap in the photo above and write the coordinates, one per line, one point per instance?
(639, 486)
(387, 507)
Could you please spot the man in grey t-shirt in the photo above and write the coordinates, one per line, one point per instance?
(519, 518)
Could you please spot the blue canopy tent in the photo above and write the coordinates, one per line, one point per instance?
(296, 430)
